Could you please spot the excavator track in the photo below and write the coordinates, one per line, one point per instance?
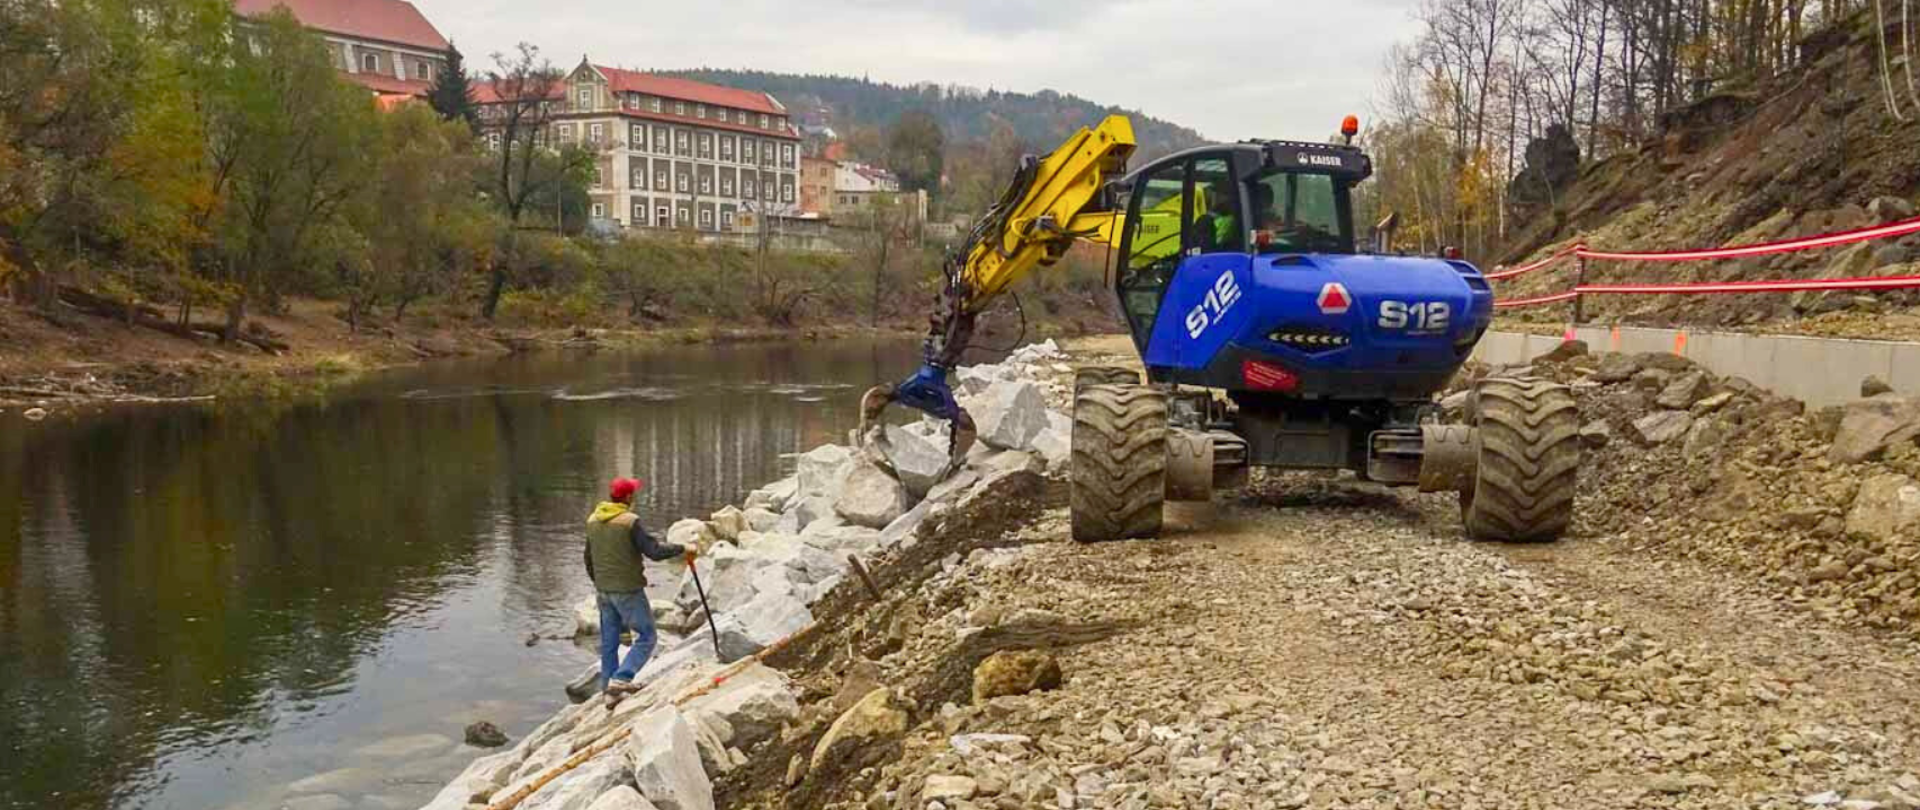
(1119, 465)
(1529, 437)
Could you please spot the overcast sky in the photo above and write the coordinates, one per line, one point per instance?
(1232, 69)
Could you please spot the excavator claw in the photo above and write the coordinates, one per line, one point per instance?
(926, 391)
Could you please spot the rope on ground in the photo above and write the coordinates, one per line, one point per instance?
(613, 738)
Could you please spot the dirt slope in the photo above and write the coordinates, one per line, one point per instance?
(1804, 154)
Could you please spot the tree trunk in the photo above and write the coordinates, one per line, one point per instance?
(236, 312)
(495, 286)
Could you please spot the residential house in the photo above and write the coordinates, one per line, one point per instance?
(858, 187)
(386, 46)
(816, 186)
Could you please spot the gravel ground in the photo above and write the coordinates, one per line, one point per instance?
(1315, 641)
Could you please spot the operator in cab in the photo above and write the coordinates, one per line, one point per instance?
(1219, 228)
(616, 546)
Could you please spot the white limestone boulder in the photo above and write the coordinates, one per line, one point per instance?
(771, 616)
(918, 461)
(822, 471)
(691, 533)
(754, 703)
(665, 757)
(578, 788)
(586, 616)
(622, 798)
(871, 497)
(728, 523)
(1009, 415)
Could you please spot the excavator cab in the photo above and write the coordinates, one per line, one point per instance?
(1212, 210)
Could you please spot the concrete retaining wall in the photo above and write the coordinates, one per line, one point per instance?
(1818, 371)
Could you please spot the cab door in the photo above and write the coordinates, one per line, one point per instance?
(1203, 305)
(1151, 246)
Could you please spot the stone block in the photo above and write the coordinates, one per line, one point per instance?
(665, 757)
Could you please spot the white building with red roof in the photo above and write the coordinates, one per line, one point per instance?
(386, 46)
(675, 153)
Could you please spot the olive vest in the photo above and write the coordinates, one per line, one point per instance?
(616, 563)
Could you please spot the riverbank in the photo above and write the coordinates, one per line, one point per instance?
(67, 359)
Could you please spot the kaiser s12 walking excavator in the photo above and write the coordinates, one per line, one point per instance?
(1268, 339)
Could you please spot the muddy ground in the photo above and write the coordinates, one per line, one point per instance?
(1313, 641)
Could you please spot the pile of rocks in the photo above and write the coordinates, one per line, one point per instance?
(1823, 505)
(764, 564)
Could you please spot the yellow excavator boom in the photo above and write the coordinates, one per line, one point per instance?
(1052, 212)
(1053, 201)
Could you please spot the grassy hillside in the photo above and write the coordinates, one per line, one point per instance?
(1040, 119)
(1812, 152)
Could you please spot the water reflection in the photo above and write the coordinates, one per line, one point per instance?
(198, 606)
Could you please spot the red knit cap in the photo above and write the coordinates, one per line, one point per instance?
(623, 488)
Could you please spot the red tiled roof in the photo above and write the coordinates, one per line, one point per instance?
(628, 81)
(395, 21)
(387, 85)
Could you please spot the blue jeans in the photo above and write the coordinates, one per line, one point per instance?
(624, 611)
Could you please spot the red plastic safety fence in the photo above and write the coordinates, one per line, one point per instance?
(1539, 265)
(1876, 283)
(1887, 231)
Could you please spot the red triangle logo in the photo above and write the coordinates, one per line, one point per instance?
(1334, 299)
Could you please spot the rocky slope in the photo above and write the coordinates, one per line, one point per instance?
(1811, 152)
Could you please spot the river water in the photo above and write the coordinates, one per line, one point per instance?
(200, 606)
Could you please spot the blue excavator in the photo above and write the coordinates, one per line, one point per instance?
(1268, 337)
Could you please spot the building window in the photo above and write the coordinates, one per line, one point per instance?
(706, 145)
(683, 183)
(786, 154)
(370, 62)
(786, 193)
(599, 211)
(654, 103)
(595, 132)
(424, 70)
(680, 141)
(706, 185)
(660, 180)
(566, 133)
(640, 138)
(723, 115)
(639, 214)
(679, 108)
(726, 148)
(699, 110)
(726, 219)
(661, 215)
(493, 140)
(746, 150)
(706, 217)
(746, 189)
(726, 187)
(638, 177)
(584, 98)
(681, 216)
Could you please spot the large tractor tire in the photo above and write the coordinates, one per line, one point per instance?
(1104, 375)
(1529, 435)
(1119, 471)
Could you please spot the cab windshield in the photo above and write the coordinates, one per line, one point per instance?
(1300, 213)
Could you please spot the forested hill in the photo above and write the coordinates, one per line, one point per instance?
(966, 114)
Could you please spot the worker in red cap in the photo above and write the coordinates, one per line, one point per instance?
(616, 542)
